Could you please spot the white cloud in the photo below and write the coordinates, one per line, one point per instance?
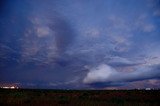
(43, 31)
(106, 74)
(148, 28)
(144, 24)
(92, 32)
(156, 13)
(121, 61)
(99, 74)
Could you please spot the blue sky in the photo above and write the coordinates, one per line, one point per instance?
(80, 44)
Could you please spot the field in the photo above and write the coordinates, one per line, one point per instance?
(29, 97)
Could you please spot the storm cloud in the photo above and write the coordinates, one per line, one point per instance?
(78, 43)
(106, 74)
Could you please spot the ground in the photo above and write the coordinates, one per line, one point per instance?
(37, 97)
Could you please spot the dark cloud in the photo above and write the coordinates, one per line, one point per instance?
(64, 34)
(122, 62)
(51, 43)
(34, 39)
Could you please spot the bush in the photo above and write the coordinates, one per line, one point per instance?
(63, 100)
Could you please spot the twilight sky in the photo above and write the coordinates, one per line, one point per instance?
(80, 44)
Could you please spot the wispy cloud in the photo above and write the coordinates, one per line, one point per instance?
(106, 42)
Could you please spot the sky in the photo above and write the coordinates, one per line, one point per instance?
(80, 44)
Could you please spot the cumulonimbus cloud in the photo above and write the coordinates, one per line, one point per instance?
(106, 74)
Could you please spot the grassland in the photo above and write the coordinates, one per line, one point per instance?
(30, 97)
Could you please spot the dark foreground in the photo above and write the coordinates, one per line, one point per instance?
(24, 97)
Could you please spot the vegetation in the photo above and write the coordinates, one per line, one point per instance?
(29, 97)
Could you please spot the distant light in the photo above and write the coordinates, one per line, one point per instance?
(12, 87)
(148, 88)
(7, 87)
